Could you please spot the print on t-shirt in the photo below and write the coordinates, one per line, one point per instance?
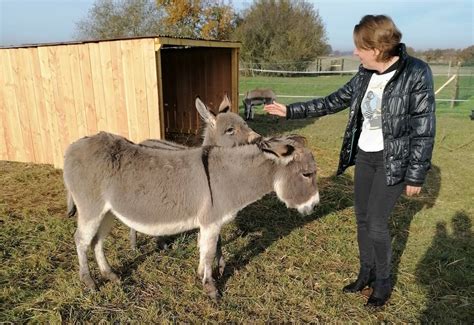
(371, 137)
(371, 109)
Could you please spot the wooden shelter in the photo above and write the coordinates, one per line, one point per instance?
(140, 88)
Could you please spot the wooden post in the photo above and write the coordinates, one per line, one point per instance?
(159, 79)
(234, 67)
(342, 65)
(449, 68)
(456, 86)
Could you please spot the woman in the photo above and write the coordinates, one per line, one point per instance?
(389, 138)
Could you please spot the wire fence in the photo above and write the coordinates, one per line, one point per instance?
(454, 83)
(319, 66)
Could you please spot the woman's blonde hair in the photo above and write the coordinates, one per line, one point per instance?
(378, 32)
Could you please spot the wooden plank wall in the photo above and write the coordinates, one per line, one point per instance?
(53, 95)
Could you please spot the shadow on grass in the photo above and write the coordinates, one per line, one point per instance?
(147, 246)
(447, 270)
(404, 212)
(271, 221)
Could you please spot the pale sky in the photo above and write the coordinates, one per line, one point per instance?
(425, 24)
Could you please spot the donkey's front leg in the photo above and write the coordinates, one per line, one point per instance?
(207, 245)
(247, 110)
(252, 113)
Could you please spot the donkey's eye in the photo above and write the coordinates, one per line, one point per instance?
(308, 175)
(229, 131)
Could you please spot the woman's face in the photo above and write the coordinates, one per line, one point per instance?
(368, 58)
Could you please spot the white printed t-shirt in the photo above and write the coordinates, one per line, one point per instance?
(371, 137)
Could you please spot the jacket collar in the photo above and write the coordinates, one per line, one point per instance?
(402, 53)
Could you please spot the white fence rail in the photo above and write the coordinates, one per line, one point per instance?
(298, 72)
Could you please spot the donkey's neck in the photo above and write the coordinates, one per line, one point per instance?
(209, 138)
(239, 176)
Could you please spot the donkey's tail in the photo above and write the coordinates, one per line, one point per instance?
(71, 206)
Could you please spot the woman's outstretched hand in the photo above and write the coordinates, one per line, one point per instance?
(275, 109)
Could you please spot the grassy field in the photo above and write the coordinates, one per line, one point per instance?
(281, 267)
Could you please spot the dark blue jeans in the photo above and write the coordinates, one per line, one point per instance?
(374, 201)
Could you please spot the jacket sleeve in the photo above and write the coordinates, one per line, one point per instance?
(422, 127)
(330, 104)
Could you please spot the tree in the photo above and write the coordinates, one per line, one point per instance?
(285, 34)
(122, 18)
(466, 56)
(220, 22)
(411, 51)
(208, 19)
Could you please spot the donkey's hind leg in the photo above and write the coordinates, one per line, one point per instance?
(219, 256)
(133, 239)
(88, 222)
(98, 246)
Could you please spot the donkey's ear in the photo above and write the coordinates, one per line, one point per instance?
(297, 140)
(278, 150)
(281, 151)
(207, 116)
(225, 105)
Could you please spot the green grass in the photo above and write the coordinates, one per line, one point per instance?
(281, 267)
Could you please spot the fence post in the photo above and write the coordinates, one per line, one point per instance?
(342, 66)
(456, 86)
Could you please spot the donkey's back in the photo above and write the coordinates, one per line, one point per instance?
(108, 173)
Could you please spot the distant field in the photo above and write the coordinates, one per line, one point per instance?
(281, 267)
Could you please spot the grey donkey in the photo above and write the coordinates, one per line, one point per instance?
(164, 192)
(256, 97)
(225, 128)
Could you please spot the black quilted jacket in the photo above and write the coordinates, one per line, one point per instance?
(408, 119)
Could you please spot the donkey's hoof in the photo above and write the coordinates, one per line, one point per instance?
(211, 291)
(90, 284)
(111, 276)
(215, 296)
